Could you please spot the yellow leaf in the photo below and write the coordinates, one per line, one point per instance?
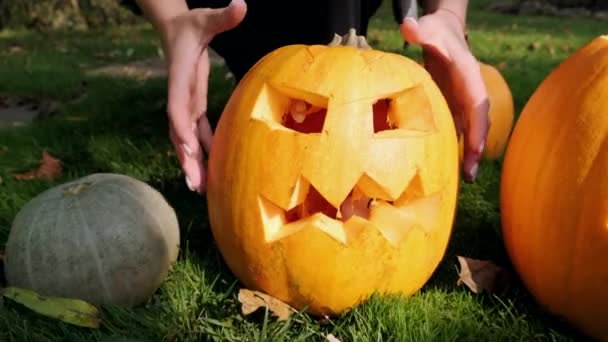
(72, 311)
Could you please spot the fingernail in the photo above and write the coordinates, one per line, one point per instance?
(187, 149)
(482, 145)
(189, 183)
(410, 19)
(474, 170)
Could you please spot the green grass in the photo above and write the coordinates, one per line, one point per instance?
(119, 125)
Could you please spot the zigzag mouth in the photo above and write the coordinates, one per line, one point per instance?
(394, 219)
(355, 204)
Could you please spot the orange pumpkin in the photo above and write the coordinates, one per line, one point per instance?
(333, 175)
(554, 191)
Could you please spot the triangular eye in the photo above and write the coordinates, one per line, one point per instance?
(289, 108)
(304, 117)
(408, 110)
(382, 121)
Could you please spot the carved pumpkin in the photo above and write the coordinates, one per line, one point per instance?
(554, 196)
(333, 174)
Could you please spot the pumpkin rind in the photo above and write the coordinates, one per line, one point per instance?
(104, 238)
(258, 169)
(554, 190)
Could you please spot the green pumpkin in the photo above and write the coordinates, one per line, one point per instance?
(104, 238)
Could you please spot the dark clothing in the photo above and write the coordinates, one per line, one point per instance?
(270, 24)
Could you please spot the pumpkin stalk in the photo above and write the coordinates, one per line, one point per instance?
(350, 39)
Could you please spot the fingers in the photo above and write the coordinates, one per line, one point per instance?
(205, 133)
(475, 136)
(188, 82)
(180, 112)
(201, 85)
(190, 159)
(475, 112)
(410, 31)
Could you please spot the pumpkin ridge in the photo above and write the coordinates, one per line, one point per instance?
(88, 237)
(579, 239)
(143, 207)
(28, 255)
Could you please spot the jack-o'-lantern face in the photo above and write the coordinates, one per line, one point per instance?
(333, 175)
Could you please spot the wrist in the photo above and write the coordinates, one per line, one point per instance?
(452, 10)
(161, 13)
(453, 14)
(459, 20)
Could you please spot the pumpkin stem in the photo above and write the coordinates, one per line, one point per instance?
(350, 39)
(77, 188)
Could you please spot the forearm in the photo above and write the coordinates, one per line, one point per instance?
(159, 12)
(456, 7)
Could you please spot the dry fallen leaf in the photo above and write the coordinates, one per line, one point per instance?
(253, 300)
(479, 275)
(49, 169)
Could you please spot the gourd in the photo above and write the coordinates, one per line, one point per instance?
(104, 238)
(333, 175)
(554, 190)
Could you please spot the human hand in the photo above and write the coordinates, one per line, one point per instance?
(457, 73)
(185, 40)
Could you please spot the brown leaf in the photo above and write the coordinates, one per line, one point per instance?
(479, 275)
(253, 300)
(49, 169)
(502, 65)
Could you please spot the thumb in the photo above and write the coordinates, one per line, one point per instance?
(411, 31)
(417, 34)
(215, 21)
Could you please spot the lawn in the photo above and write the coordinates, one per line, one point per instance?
(118, 124)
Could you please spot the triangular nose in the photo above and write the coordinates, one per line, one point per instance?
(336, 163)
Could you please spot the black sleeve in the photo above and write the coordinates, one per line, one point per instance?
(404, 8)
